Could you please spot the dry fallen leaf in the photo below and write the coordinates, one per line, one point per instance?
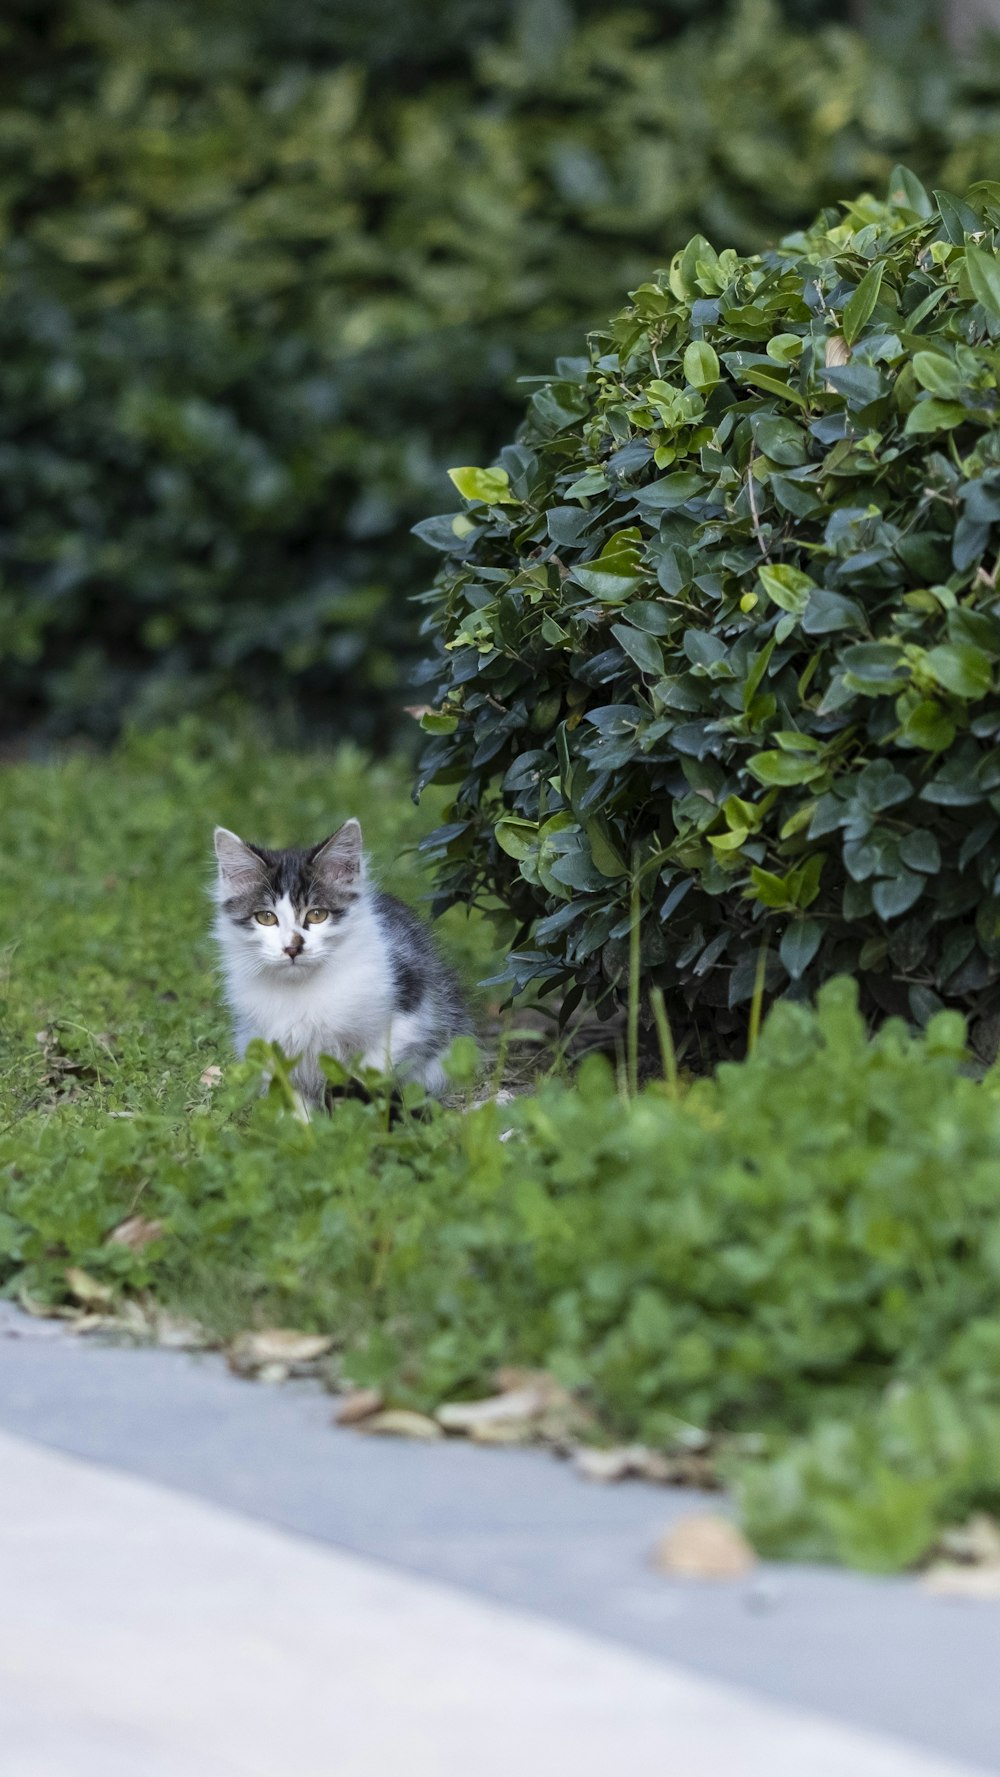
(178, 1334)
(506, 1432)
(359, 1404)
(86, 1289)
(532, 1405)
(518, 1404)
(43, 1310)
(211, 1076)
(678, 1468)
(706, 1547)
(977, 1542)
(605, 1465)
(132, 1318)
(251, 1353)
(273, 1373)
(400, 1422)
(93, 1323)
(959, 1579)
(135, 1233)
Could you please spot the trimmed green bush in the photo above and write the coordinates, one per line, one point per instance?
(720, 634)
(255, 296)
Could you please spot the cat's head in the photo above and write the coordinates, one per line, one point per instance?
(289, 910)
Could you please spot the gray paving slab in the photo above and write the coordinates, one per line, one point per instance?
(150, 1634)
(518, 1527)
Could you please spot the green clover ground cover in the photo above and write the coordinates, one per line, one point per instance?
(799, 1256)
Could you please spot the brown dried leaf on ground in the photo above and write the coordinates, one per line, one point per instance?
(86, 1289)
(211, 1077)
(969, 1564)
(507, 1432)
(134, 1319)
(252, 1353)
(44, 1310)
(400, 1422)
(93, 1323)
(359, 1404)
(957, 1579)
(704, 1546)
(518, 1405)
(681, 1468)
(532, 1405)
(604, 1465)
(977, 1542)
(178, 1333)
(135, 1233)
(63, 1070)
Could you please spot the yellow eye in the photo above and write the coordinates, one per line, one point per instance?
(266, 918)
(316, 916)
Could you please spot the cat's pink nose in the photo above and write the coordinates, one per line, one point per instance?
(294, 947)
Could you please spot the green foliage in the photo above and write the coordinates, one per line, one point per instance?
(104, 867)
(731, 632)
(255, 295)
(797, 1258)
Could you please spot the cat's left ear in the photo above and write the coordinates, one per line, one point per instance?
(339, 861)
(239, 866)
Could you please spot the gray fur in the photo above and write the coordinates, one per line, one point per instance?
(360, 979)
(422, 981)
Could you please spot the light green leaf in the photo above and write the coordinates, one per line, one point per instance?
(773, 385)
(859, 307)
(938, 374)
(787, 587)
(935, 416)
(516, 837)
(984, 276)
(701, 365)
(784, 768)
(607, 858)
(961, 667)
(925, 725)
(492, 486)
(610, 588)
(907, 193)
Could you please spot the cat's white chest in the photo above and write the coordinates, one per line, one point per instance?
(336, 1009)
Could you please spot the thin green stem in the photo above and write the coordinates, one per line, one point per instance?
(634, 935)
(665, 1038)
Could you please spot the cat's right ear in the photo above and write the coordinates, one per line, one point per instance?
(239, 867)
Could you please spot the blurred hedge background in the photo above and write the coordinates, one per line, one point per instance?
(267, 268)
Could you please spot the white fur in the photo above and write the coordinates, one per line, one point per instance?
(334, 999)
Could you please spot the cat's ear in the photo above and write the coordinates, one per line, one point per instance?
(239, 867)
(339, 861)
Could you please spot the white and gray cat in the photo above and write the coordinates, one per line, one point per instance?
(316, 959)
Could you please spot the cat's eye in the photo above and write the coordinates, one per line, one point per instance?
(266, 918)
(316, 916)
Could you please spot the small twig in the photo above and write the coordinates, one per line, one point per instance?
(765, 552)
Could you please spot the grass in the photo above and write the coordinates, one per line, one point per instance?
(796, 1262)
(103, 874)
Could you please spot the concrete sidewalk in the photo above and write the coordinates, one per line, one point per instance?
(144, 1634)
(509, 1528)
